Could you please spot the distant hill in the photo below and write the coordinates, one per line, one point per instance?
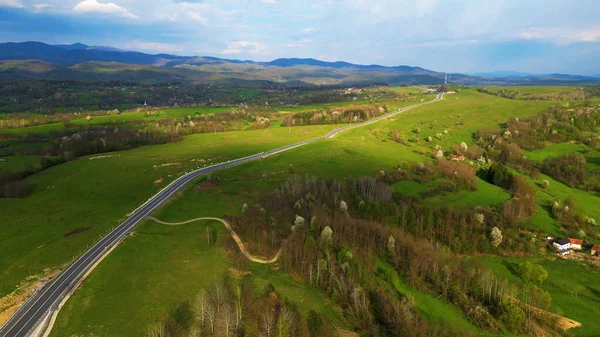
(37, 60)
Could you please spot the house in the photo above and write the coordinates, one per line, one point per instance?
(596, 250)
(562, 246)
(576, 243)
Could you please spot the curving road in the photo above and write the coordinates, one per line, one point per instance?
(44, 301)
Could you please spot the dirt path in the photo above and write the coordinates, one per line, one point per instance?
(235, 237)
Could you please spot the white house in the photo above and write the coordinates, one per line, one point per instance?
(562, 246)
(576, 243)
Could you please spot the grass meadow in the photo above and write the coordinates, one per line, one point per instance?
(161, 268)
(353, 153)
(573, 286)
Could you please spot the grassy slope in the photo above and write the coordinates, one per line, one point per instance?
(356, 152)
(100, 306)
(536, 91)
(574, 288)
(430, 307)
(104, 190)
(17, 163)
(126, 117)
(98, 193)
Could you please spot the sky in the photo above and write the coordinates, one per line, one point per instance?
(536, 36)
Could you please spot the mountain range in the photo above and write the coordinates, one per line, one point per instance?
(37, 60)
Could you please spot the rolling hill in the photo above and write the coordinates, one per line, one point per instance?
(37, 60)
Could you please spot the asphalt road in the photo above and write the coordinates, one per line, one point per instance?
(44, 301)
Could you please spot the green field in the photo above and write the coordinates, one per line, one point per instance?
(19, 163)
(98, 194)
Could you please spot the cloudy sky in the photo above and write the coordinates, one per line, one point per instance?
(537, 36)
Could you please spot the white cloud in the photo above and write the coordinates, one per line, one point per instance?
(299, 44)
(238, 47)
(270, 1)
(93, 6)
(199, 18)
(563, 35)
(11, 3)
(309, 30)
(41, 7)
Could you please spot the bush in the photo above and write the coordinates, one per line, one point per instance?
(314, 323)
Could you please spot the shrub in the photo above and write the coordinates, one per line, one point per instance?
(496, 237)
(327, 234)
(545, 184)
(299, 221)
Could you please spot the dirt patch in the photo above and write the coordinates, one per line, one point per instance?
(166, 165)
(237, 272)
(345, 333)
(159, 180)
(77, 231)
(205, 185)
(11, 302)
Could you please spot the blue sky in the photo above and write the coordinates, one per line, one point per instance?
(445, 35)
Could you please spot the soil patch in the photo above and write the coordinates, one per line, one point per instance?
(11, 302)
(205, 185)
(77, 231)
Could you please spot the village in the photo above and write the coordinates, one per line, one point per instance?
(565, 246)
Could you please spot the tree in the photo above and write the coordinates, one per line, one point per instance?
(463, 146)
(157, 330)
(525, 271)
(496, 237)
(219, 294)
(511, 315)
(268, 323)
(343, 206)
(391, 246)
(538, 274)
(479, 218)
(228, 319)
(299, 221)
(283, 329)
(327, 234)
(202, 304)
(314, 323)
(211, 316)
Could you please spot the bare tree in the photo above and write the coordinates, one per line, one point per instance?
(228, 320)
(268, 323)
(202, 304)
(157, 330)
(211, 315)
(219, 295)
